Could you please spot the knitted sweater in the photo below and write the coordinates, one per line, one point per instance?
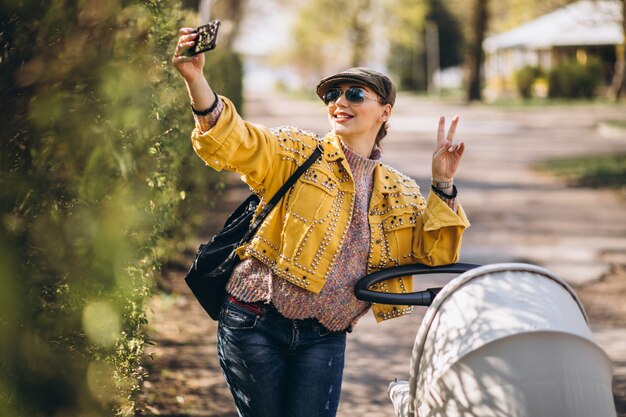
(335, 306)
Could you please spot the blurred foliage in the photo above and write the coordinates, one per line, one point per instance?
(406, 60)
(231, 13)
(508, 14)
(571, 79)
(525, 79)
(608, 171)
(406, 27)
(97, 181)
(224, 70)
(326, 38)
(349, 34)
(616, 123)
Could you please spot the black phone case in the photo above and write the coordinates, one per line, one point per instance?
(207, 37)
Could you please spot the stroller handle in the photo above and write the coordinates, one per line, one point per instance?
(419, 298)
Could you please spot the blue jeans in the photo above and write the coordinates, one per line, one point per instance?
(278, 367)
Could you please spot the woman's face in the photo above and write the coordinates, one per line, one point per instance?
(355, 121)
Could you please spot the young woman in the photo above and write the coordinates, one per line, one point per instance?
(282, 330)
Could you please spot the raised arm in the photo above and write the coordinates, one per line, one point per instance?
(439, 240)
(223, 140)
(447, 156)
(191, 69)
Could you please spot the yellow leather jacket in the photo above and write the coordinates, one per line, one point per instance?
(302, 237)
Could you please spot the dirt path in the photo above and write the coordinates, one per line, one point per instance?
(516, 214)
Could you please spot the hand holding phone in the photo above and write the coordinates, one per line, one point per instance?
(206, 40)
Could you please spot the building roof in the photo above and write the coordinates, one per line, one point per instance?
(586, 22)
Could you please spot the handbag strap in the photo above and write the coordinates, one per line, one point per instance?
(280, 193)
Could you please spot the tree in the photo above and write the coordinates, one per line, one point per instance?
(476, 56)
(618, 85)
(450, 34)
(327, 36)
(230, 12)
(359, 33)
(405, 31)
(407, 21)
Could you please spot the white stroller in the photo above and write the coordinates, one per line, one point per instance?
(500, 340)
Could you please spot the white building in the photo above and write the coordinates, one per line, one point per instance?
(587, 27)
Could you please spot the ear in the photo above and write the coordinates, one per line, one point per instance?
(385, 114)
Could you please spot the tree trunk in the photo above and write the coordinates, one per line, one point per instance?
(359, 33)
(432, 54)
(618, 86)
(477, 55)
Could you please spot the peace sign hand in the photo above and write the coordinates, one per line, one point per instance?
(448, 153)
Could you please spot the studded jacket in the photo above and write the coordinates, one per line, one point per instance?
(302, 237)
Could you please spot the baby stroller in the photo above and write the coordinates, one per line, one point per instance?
(500, 340)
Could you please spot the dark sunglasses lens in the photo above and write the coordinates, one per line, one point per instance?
(355, 95)
(331, 95)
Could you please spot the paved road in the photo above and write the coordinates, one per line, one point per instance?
(517, 214)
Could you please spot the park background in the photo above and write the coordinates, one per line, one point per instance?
(104, 202)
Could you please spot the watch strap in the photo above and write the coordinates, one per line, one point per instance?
(442, 185)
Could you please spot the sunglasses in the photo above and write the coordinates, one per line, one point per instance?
(354, 95)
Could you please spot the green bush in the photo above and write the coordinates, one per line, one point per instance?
(224, 70)
(574, 80)
(196, 183)
(525, 79)
(96, 176)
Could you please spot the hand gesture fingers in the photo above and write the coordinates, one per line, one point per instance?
(452, 131)
(441, 132)
(447, 141)
(442, 139)
(448, 152)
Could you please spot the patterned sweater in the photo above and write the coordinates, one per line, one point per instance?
(335, 306)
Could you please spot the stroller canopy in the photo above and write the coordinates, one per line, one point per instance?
(508, 340)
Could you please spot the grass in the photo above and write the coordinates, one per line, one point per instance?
(616, 123)
(594, 171)
(550, 102)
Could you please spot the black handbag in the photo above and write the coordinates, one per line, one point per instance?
(215, 260)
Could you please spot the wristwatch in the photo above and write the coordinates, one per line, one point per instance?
(442, 185)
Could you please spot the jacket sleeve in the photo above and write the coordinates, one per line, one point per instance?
(242, 147)
(438, 241)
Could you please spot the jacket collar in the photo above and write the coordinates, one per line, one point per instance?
(383, 177)
(332, 147)
(383, 184)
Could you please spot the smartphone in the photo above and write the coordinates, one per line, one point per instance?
(206, 40)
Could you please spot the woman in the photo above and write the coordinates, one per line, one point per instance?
(282, 329)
